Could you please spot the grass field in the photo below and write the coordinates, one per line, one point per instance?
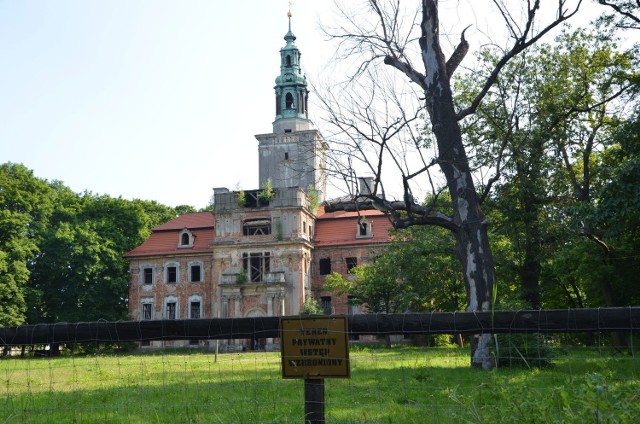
(400, 385)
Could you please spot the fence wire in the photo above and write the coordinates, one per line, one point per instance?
(537, 377)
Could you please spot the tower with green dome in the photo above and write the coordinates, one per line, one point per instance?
(291, 84)
(294, 154)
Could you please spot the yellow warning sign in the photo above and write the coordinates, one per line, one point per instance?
(314, 347)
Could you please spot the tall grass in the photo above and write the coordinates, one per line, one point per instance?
(399, 385)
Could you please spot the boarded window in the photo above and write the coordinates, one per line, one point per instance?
(325, 266)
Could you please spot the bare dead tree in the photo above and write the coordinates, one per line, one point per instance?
(408, 40)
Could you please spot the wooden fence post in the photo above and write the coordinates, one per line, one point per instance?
(314, 401)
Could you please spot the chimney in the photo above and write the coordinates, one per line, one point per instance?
(366, 185)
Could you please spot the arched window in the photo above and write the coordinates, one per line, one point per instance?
(288, 60)
(289, 101)
(185, 239)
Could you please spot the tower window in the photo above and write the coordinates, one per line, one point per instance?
(286, 155)
(256, 265)
(289, 101)
(288, 61)
(259, 227)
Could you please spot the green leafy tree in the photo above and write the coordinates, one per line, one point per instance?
(80, 273)
(551, 111)
(418, 272)
(25, 206)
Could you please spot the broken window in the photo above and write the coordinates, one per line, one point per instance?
(351, 263)
(147, 311)
(256, 265)
(259, 227)
(325, 266)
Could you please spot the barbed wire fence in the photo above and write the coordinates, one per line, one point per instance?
(574, 365)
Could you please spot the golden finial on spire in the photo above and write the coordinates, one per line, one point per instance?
(289, 12)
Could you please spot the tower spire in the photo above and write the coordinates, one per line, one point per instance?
(291, 85)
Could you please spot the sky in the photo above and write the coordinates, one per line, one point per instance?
(150, 99)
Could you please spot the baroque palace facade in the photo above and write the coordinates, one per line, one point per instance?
(259, 252)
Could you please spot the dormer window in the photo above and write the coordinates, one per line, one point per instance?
(256, 227)
(186, 239)
(364, 229)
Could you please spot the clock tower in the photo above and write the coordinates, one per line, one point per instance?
(294, 154)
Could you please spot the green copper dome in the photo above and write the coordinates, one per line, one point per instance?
(291, 85)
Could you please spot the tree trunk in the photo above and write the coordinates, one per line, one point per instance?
(472, 240)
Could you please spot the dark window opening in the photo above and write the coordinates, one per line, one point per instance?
(195, 273)
(171, 310)
(289, 101)
(288, 60)
(195, 310)
(256, 265)
(364, 227)
(172, 274)
(148, 275)
(286, 155)
(287, 131)
(147, 311)
(351, 263)
(325, 304)
(185, 240)
(260, 227)
(325, 266)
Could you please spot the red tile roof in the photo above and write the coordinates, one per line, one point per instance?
(188, 220)
(340, 228)
(165, 238)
